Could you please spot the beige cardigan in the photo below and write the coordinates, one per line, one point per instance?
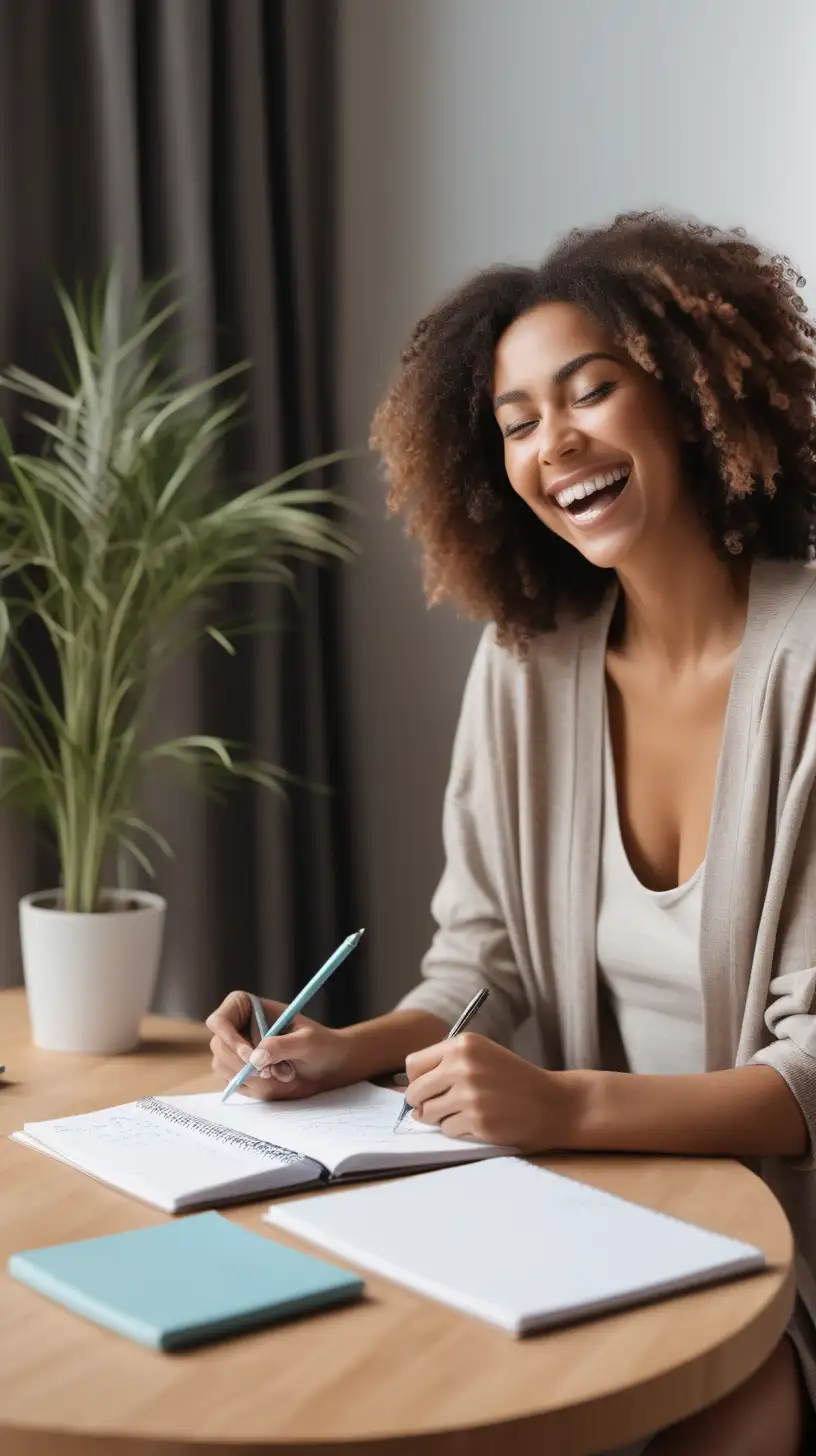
(517, 903)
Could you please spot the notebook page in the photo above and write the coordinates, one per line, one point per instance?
(515, 1244)
(166, 1161)
(348, 1130)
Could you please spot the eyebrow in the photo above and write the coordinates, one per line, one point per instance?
(518, 396)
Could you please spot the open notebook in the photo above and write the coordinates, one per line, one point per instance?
(516, 1244)
(180, 1153)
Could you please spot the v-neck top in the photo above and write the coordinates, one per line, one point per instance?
(648, 944)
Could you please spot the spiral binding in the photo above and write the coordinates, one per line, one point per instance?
(217, 1132)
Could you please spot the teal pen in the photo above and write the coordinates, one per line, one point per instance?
(309, 990)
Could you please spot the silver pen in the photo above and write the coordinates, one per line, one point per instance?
(467, 1015)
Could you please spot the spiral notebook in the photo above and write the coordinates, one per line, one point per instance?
(179, 1153)
(515, 1244)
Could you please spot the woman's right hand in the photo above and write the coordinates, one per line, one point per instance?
(305, 1059)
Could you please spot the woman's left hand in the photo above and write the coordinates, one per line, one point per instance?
(472, 1087)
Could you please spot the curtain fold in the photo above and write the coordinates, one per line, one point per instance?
(197, 138)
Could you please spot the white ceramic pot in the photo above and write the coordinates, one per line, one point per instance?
(90, 978)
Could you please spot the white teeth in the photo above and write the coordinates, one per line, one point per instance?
(588, 487)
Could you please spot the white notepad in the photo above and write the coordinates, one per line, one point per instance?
(189, 1152)
(516, 1244)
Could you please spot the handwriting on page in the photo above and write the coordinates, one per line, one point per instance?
(150, 1124)
(128, 1126)
(361, 1125)
(350, 1119)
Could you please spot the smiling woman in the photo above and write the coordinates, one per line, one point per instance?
(587, 496)
(612, 459)
(651, 320)
(596, 396)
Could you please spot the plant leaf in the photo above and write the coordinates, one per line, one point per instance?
(193, 745)
(119, 534)
(211, 632)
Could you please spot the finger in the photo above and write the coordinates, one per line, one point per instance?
(457, 1126)
(282, 1071)
(436, 1109)
(253, 1086)
(227, 1066)
(258, 1084)
(274, 1011)
(227, 1056)
(276, 1049)
(269, 1088)
(277, 1071)
(236, 1008)
(418, 1063)
(432, 1084)
(232, 1014)
(284, 1075)
(232, 1064)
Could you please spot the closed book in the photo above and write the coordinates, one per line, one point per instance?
(182, 1283)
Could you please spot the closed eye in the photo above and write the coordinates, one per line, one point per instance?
(594, 396)
(600, 393)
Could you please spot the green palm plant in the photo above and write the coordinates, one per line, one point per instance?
(117, 536)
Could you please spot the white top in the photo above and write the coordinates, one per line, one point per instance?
(648, 952)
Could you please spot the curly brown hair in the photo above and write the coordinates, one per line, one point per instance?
(712, 316)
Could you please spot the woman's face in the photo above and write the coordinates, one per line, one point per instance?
(589, 440)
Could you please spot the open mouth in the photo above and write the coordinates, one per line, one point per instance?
(596, 497)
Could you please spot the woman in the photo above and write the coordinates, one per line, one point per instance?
(612, 457)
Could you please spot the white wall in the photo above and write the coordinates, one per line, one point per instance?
(474, 132)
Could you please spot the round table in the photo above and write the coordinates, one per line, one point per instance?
(394, 1374)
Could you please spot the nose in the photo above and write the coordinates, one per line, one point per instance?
(558, 438)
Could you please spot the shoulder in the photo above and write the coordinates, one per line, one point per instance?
(548, 653)
(777, 677)
(784, 614)
(519, 715)
(505, 690)
(799, 580)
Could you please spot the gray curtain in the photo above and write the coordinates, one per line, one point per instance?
(196, 136)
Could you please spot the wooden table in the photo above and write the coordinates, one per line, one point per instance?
(396, 1374)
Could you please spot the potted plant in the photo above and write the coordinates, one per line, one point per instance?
(115, 537)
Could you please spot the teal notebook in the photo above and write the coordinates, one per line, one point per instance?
(183, 1282)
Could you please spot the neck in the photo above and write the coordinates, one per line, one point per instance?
(680, 608)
